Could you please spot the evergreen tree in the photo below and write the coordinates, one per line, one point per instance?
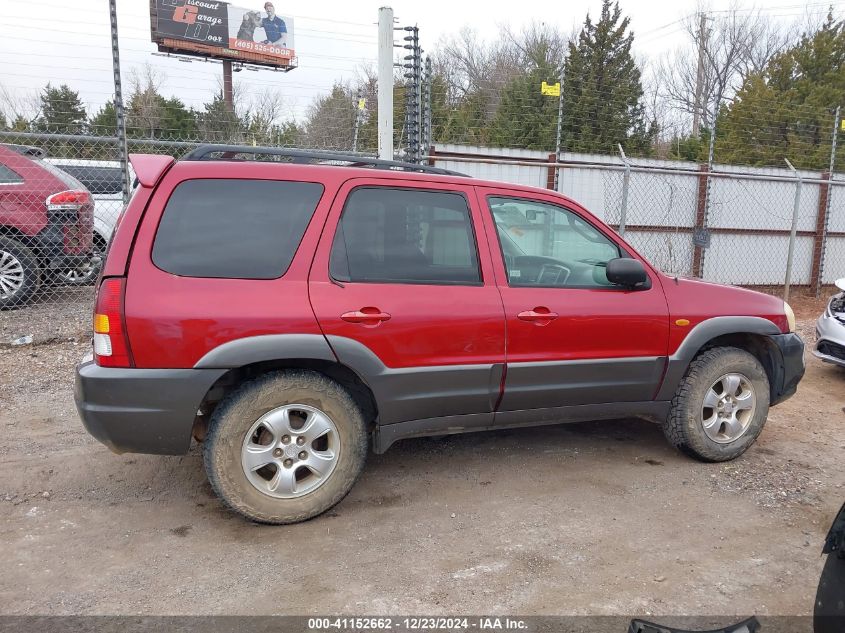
(217, 124)
(787, 110)
(526, 118)
(62, 111)
(104, 123)
(602, 89)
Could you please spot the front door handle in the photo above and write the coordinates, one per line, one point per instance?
(540, 315)
(365, 316)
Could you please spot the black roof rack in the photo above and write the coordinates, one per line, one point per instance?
(306, 157)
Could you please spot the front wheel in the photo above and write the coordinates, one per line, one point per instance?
(720, 406)
(285, 447)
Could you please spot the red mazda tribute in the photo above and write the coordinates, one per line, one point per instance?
(289, 309)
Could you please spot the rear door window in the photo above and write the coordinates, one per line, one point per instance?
(392, 235)
(239, 229)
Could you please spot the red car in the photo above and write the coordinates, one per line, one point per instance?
(290, 315)
(46, 223)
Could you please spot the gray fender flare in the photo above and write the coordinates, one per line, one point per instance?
(698, 338)
(256, 349)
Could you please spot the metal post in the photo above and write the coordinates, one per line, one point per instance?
(795, 208)
(359, 115)
(228, 93)
(385, 83)
(699, 75)
(710, 152)
(427, 107)
(626, 179)
(123, 153)
(559, 130)
(820, 279)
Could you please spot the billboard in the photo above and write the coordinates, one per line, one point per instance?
(211, 28)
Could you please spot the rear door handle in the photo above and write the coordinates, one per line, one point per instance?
(539, 315)
(366, 316)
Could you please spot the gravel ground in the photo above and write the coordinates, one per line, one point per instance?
(598, 518)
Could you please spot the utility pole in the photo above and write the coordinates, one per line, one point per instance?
(385, 83)
(123, 153)
(699, 76)
(360, 105)
(228, 94)
(836, 122)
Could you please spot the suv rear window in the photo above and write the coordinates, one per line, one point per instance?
(238, 229)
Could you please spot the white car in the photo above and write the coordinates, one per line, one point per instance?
(830, 329)
(104, 180)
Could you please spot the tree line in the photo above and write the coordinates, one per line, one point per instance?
(770, 91)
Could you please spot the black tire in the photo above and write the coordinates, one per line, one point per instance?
(10, 247)
(829, 611)
(234, 417)
(684, 427)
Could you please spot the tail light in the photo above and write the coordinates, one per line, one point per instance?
(111, 343)
(68, 201)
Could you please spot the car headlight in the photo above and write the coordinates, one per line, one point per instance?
(790, 316)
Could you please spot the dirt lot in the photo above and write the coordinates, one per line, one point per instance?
(589, 518)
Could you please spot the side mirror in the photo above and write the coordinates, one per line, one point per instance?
(625, 272)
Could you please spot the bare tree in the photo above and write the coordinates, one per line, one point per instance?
(19, 109)
(145, 109)
(736, 43)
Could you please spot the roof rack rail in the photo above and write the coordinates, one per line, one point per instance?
(306, 157)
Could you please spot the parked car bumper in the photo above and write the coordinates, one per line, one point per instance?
(789, 374)
(141, 410)
(50, 244)
(830, 339)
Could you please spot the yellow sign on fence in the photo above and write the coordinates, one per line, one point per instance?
(550, 90)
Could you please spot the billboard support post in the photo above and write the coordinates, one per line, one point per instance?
(385, 83)
(120, 115)
(228, 95)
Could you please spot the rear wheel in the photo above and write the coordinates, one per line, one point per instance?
(285, 447)
(720, 406)
(86, 273)
(18, 273)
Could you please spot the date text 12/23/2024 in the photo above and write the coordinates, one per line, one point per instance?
(482, 623)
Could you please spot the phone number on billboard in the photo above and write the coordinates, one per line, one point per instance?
(416, 624)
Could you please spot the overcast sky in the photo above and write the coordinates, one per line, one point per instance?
(68, 42)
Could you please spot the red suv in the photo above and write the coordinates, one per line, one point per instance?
(46, 223)
(289, 314)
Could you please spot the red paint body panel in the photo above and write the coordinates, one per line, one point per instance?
(697, 301)
(23, 206)
(429, 325)
(592, 323)
(173, 321)
(149, 168)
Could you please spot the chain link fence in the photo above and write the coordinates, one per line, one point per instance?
(61, 196)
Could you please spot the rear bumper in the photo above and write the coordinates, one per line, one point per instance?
(791, 369)
(141, 410)
(50, 243)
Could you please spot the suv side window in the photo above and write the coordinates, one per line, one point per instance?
(9, 176)
(237, 229)
(405, 236)
(545, 245)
